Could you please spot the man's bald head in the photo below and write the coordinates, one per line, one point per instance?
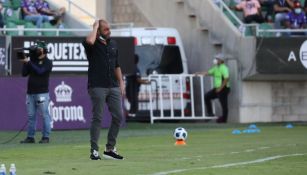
(102, 22)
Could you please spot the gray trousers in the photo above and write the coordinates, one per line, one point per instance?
(99, 97)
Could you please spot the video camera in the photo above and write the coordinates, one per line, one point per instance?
(34, 51)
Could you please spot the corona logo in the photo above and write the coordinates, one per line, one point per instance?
(66, 113)
(2, 56)
(63, 92)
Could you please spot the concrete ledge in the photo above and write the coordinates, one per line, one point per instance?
(255, 114)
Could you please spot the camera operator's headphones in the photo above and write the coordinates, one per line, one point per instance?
(42, 44)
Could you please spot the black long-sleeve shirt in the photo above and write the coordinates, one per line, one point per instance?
(103, 60)
(38, 73)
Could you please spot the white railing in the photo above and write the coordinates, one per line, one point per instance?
(177, 97)
(57, 30)
(76, 31)
(278, 32)
(223, 6)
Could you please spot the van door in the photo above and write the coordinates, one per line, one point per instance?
(160, 59)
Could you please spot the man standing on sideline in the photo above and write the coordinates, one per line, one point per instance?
(134, 82)
(221, 88)
(105, 85)
(38, 68)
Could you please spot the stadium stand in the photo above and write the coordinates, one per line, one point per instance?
(248, 30)
(16, 25)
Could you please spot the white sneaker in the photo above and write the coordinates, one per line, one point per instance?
(278, 34)
(131, 114)
(50, 18)
(95, 155)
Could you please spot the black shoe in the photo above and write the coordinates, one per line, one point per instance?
(44, 140)
(95, 155)
(28, 140)
(221, 120)
(112, 155)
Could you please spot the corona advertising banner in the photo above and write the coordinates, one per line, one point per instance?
(70, 106)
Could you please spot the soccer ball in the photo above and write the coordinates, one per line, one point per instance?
(180, 134)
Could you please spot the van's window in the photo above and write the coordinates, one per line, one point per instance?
(159, 58)
(171, 61)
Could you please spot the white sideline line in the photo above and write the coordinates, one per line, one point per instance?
(239, 152)
(230, 164)
(264, 147)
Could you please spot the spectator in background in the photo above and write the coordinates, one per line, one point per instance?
(42, 6)
(1, 17)
(305, 7)
(30, 13)
(133, 87)
(269, 4)
(281, 8)
(296, 19)
(251, 11)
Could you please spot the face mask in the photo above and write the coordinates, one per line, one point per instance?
(215, 61)
(298, 10)
(102, 37)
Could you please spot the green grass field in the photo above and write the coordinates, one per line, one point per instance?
(149, 149)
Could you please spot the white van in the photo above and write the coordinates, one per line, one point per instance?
(160, 51)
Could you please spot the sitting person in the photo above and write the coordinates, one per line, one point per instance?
(281, 8)
(296, 19)
(251, 11)
(42, 6)
(30, 13)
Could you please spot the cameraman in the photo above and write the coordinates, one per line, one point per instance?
(38, 68)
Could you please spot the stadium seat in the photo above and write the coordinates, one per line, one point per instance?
(11, 25)
(266, 26)
(15, 4)
(6, 4)
(30, 25)
(11, 15)
(47, 25)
